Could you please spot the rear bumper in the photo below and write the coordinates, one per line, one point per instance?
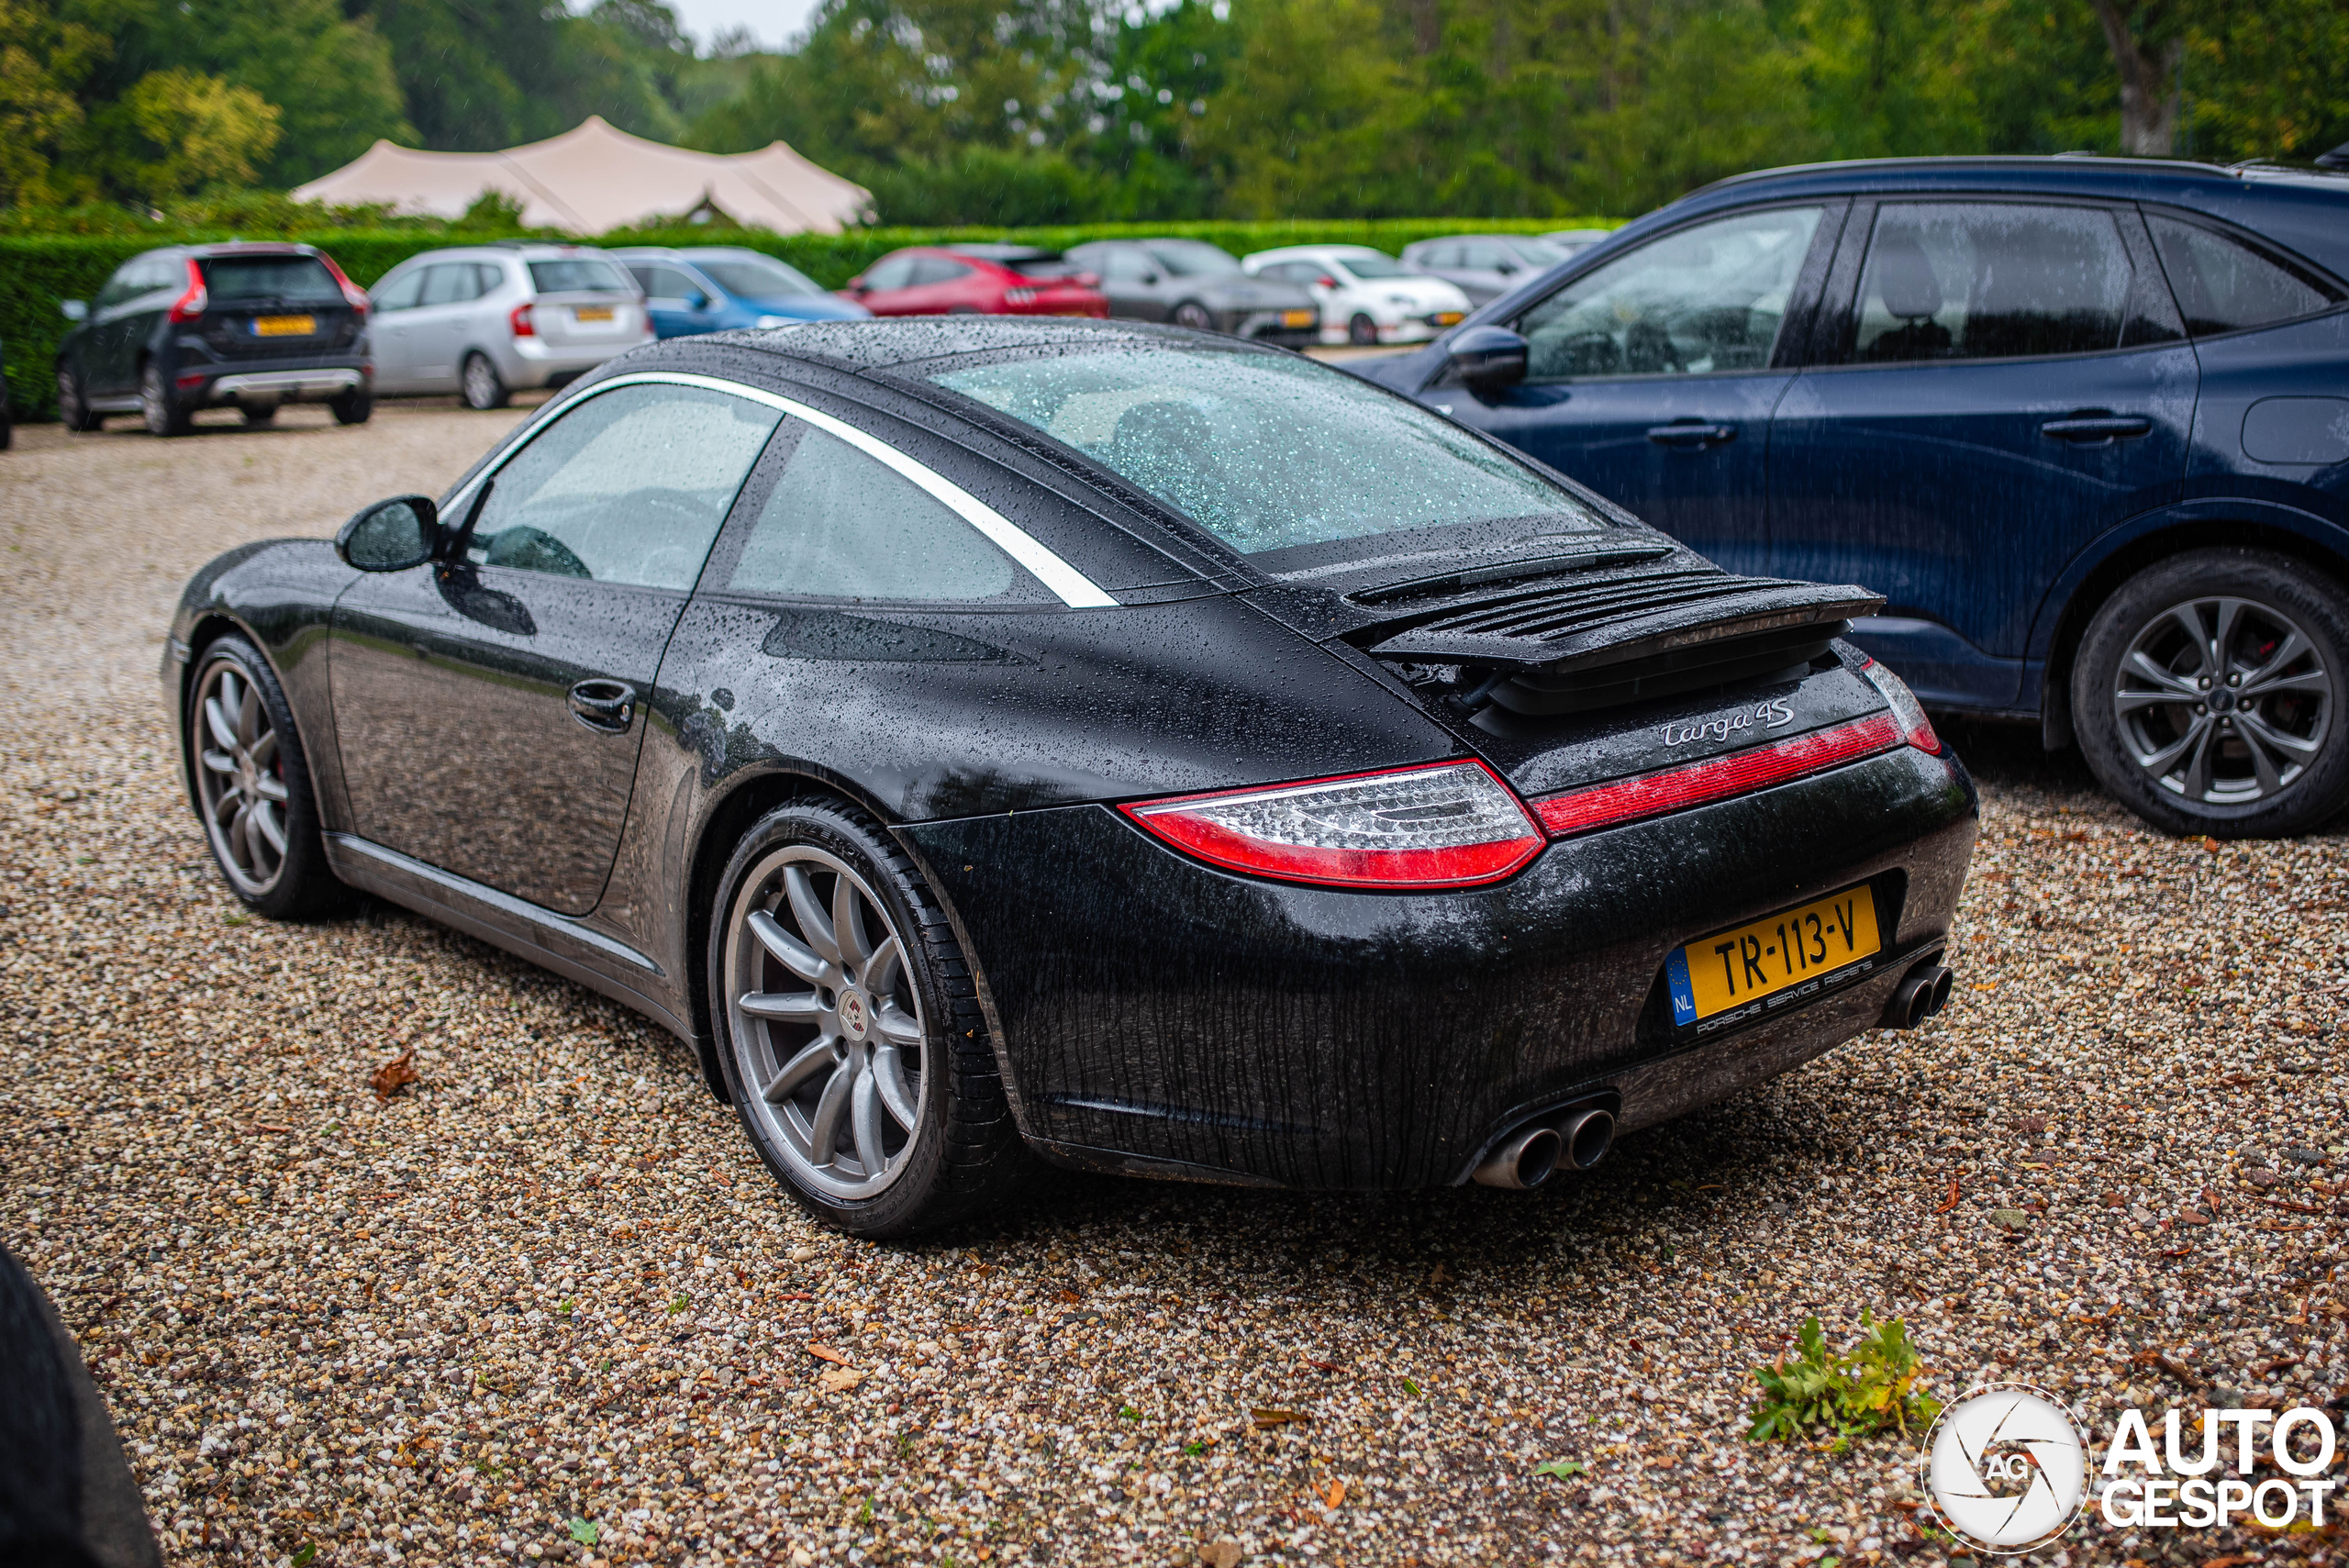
(280, 381)
(1158, 1018)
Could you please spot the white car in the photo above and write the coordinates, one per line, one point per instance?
(1366, 296)
(488, 320)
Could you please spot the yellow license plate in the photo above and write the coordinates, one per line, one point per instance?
(285, 326)
(1446, 317)
(593, 313)
(1300, 317)
(1775, 954)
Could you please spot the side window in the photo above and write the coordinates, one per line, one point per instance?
(450, 282)
(937, 270)
(2224, 286)
(489, 278)
(119, 287)
(843, 524)
(1708, 298)
(1986, 280)
(1439, 256)
(628, 487)
(891, 274)
(1123, 266)
(676, 284)
(401, 293)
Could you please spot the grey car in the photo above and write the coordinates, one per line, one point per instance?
(1193, 283)
(486, 320)
(1484, 266)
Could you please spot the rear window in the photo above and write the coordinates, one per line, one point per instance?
(295, 279)
(757, 277)
(1373, 266)
(1195, 259)
(2224, 286)
(1041, 266)
(1246, 444)
(571, 275)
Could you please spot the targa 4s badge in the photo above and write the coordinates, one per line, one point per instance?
(1771, 715)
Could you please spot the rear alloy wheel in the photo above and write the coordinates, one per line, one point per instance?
(164, 414)
(1194, 316)
(850, 1035)
(73, 403)
(2207, 694)
(252, 786)
(483, 388)
(1362, 329)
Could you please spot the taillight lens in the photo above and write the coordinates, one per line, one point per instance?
(1915, 727)
(1440, 825)
(518, 319)
(353, 295)
(1716, 778)
(191, 305)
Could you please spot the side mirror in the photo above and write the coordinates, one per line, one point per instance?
(859, 286)
(75, 309)
(391, 536)
(1488, 358)
(698, 301)
(1151, 278)
(1506, 268)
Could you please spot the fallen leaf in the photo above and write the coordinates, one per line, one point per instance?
(825, 1352)
(1337, 1492)
(2259, 1178)
(1068, 1295)
(1441, 1276)
(2012, 1219)
(1268, 1417)
(2031, 1124)
(389, 1078)
(2212, 846)
(2191, 1216)
(1563, 1469)
(838, 1379)
(1950, 1202)
(1318, 1366)
(1223, 1553)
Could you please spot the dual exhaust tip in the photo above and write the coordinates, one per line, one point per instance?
(1578, 1138)
(1923, 993)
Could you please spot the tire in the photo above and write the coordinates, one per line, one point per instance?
(353, 407)
(1194, 316)
(259, 415)
(481, 385)
(7, 429)
(1361, 330)
(956, 1149)
(2254, 745)
(164, 414)
(250, 773)
(73, 403)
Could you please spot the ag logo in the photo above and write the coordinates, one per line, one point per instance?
(2007, 1466)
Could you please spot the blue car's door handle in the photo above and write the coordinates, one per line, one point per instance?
(1691, 434)
(2097, 426)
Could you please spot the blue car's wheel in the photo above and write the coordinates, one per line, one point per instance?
(2208, 695)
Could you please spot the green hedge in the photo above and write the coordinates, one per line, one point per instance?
(38, 272)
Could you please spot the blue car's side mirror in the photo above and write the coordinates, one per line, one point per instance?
(1488, 358)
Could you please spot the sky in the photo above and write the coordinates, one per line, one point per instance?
(772, 21)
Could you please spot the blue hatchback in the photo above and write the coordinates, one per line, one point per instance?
(712, 288)
(2083, 422)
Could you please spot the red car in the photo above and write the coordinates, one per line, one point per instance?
(978, 279)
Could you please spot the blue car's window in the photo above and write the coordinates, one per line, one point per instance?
(628, 487)
(1712, 297)
(842, 525)
(1991, 280)
(2225, 286)
(756, 277)
(1262, 451)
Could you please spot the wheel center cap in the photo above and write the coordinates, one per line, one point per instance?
(2223, 700)
(856, 1015)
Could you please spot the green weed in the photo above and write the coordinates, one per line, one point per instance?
(1860, 1391)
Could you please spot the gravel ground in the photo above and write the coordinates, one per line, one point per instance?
(547, 1282)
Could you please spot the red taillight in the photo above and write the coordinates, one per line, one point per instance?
(1439, 825)
(1717, 778)
(518, 319)
(190, 305)
(1326, 281)
(1915, 727)
(353, 295)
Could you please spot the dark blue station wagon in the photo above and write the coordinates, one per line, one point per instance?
(2083, 422)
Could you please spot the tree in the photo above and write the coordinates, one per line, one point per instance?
(204, 131)
(2147, 47)
(44, 61)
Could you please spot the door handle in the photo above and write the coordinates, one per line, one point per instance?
(1691, 435)
(2095, 426)
(609, 707)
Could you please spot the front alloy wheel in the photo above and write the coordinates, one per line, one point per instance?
(2205, 695)
(826, 1022)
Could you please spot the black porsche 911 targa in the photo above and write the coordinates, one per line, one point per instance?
(1152, 750)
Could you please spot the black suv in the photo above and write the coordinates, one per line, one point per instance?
(195, 327)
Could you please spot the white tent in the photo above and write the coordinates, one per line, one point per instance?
(594, 178)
